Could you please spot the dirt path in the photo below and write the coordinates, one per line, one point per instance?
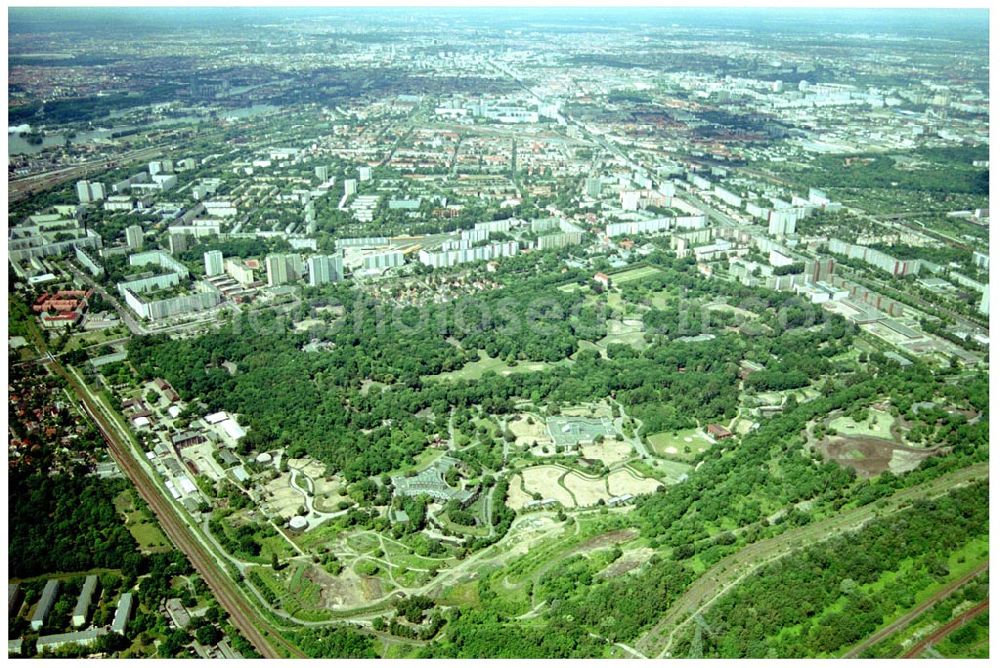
(947, 629)
(905, 620)
(726, 574)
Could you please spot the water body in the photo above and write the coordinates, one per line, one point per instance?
(17, 143)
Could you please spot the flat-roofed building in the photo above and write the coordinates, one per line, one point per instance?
(122, 613)
(45, 604)
(82, 638)
(213, 263)
(84, 600)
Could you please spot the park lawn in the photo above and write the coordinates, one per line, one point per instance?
(879, 425)
(682, 445)
(475, 370)
(461, 528)
(142, 527)
(427, 457)
(78, 341)
(363, 543)
(630, 275)
(321, 536)
(629, 336)
(150, 537)
(665, 470)
(275, 545)
(464, 593)
(615, 302)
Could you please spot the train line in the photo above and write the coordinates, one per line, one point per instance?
(244, 617)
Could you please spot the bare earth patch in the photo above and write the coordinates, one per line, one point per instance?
(623, 481)
(545, 481)
(526, 434)
(586, 490)
(871, 456)
(629, 561)
(280, 499)
(609, 452)
(516, 498)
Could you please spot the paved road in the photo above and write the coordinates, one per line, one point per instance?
(905, 620)
(726, 574)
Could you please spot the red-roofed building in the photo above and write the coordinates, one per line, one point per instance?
(603, 279)
(718, 432)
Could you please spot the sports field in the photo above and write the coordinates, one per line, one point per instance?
(681, 445)
(633, 275)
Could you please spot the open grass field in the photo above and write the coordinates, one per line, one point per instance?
(742, 313)
(526, 434)
(610, 452)
(149, 537)
(545, 481)
(475, 370)
(626, 481)
(630, 275)
(143, 528)
(682, 445)
(586, 491)
(94, 337)
(625, 332)
(878, 425)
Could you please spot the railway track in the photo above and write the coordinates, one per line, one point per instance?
(264, 638)
(731, 570)
(947, 630)
(906, 619)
